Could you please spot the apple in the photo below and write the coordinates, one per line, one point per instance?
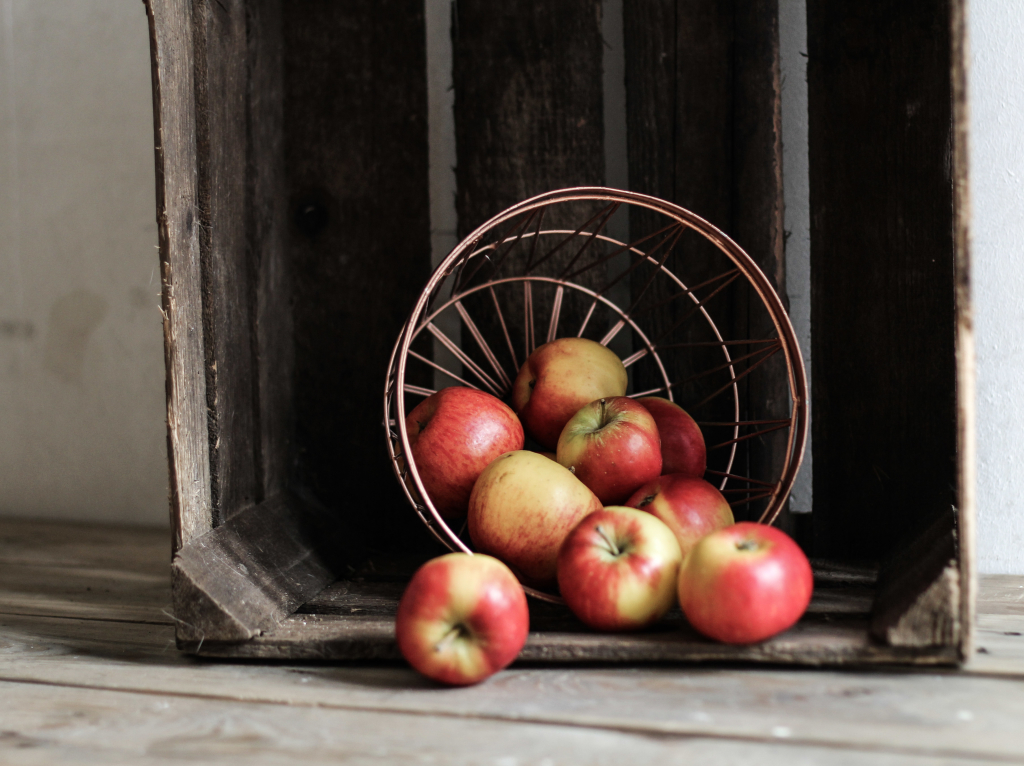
(682, 443)
(462, 618)
(454, 434)
(745, 583)
(560, 377)
(522, 507)
(612, 446)
(619, 568)
(690, 507)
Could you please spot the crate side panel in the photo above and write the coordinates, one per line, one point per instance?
(171, 44)
(965, 387)
(358, 239)
(222, 73)
(882, 271)
(267, 211)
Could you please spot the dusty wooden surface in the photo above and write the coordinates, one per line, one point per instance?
(89, 674)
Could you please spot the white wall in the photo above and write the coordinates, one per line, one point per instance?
(996, 29)
(81, 368)
(81, 360)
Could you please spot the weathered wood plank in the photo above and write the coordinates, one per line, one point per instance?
(359, 242)
(86, 592)
(757, 221)
(171, 44)
(89, 726)
(267, 231)
(811, 642)
(528, 102)
(61, 543)
(965, 390)
(679, 120)
(933, 713)
(919, 590)
(704, 131)
(228, 281)
(885, 423)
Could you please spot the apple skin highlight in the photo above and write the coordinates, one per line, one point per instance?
(690, 507)
(462, 618)
(454, 434)
(560, 377)
(682, 443)
(611, 445)
(522, 507)
(618, 569)
(745, 583)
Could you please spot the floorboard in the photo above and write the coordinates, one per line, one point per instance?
(89, 673)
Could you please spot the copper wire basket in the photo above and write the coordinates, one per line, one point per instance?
(689, 312)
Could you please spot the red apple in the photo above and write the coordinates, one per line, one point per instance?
(618, 569)
(522, 507)
(612, 446)
(745, 583)
(682, 443)
(462, 618)
(454, 434)
(690, 507)
(559, 378)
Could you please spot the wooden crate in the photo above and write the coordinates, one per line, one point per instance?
(293, 212)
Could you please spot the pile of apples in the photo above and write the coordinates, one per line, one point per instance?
(616, 512)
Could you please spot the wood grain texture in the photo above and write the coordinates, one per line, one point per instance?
(98, 690)
(221, 74)
(882, 266)
(92, 592)
(358, 242)
(528, 102)
(171, 44)
(887, 710)
(31, 542)
(918, 601)
(251, 572)
(267, 245)
(704, 131)
(102, 727)
(758, 217)
(965, 377)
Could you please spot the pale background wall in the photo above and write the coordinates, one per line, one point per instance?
(81, 361)
(997, 189)
(81, 365)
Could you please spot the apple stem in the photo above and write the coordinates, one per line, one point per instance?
(612, 547)
(746, 545)
(448, 638)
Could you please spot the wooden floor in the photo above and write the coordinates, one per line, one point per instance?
(89, 674)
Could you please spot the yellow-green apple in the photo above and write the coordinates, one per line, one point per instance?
(619, 569)
(522, 507)
(682, 443)
(560, 377)
(745, 583)
(690, 507)
(454, 434)
(612, 446)
(462, 618)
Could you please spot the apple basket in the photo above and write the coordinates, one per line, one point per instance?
(690, 314)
